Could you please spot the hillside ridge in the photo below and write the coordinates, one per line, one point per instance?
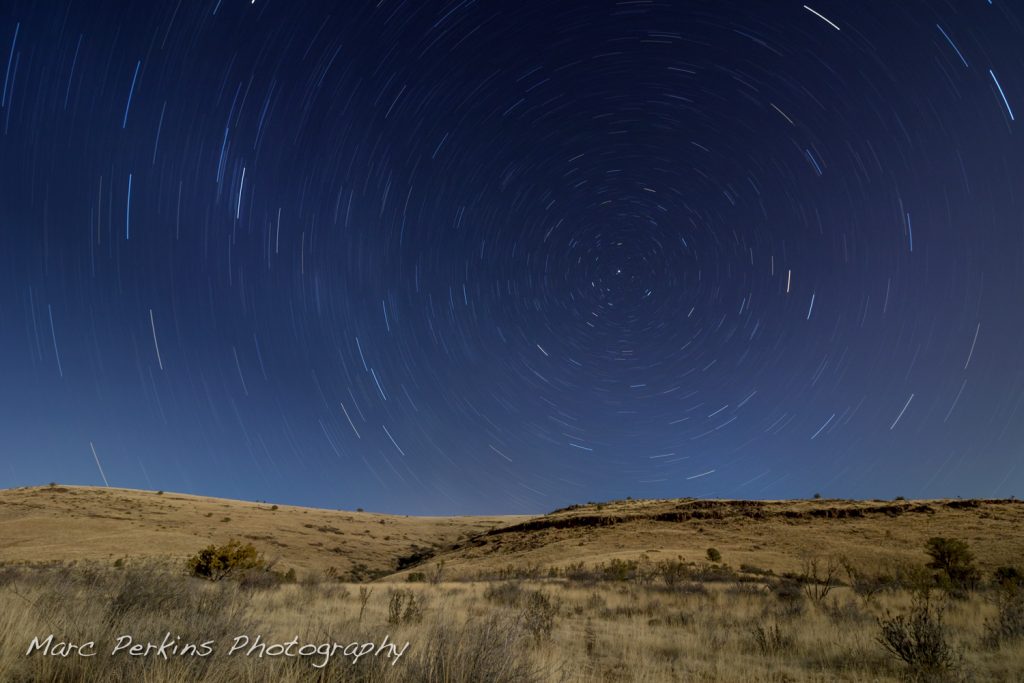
(74, 523)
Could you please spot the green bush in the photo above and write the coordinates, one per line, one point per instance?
(1008, 577)
(218, 562)
(954, 562)
(714, 555)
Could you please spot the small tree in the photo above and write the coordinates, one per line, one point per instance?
(218, 562)
(954, 561)
(819, 578)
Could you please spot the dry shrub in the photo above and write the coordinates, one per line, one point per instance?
(672, 572)
(790, 596)
(919, 640)
(846, 613)
(771, 641)
(1008, 624)
(867, 586)
(539, 615)
(819, 578)
(507, 594)
(405, 607)
(596, 602)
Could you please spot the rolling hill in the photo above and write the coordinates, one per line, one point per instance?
(67, 523)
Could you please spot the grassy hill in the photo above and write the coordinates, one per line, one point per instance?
(620, 606)
(773, 535)
(63, 523)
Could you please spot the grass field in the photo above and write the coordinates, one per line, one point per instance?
(626, 591)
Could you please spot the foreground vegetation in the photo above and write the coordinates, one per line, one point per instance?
(622, 620)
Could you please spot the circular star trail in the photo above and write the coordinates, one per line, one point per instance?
(468, 256)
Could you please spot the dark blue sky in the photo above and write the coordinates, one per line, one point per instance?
(505, 256)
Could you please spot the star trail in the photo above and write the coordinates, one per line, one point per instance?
(451, 257)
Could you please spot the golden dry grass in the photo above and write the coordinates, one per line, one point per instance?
(64, 523)
(471, 631)
(596, 604)
(773, 535)
(78, 523)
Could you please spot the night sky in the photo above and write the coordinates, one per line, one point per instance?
(454, 257)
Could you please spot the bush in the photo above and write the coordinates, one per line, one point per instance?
(539, 616)
(508, 594)
(672, 572)
(436, 573)
(771, 641)
(954, 561)
(865, 585)
(1008, 624)
(405, 607)
(845, 613)
(218, 562)
(919, 639)
(713, 555)
(714, 572)
(790, 595)
(1008, 577)
(914, 578)
(619, 570)
(819, 578)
